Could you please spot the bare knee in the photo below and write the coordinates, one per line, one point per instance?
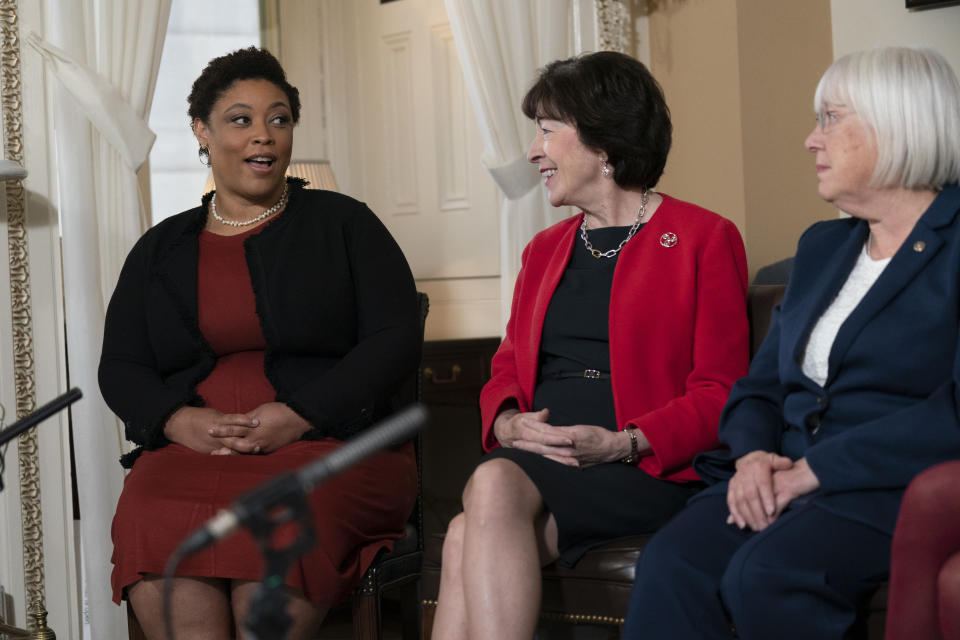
(453, 544)
(500, 488)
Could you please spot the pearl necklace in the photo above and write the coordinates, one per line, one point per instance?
(243, 223)
(596, 253)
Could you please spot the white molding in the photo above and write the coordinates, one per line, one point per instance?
(396, 63)
(450, 101)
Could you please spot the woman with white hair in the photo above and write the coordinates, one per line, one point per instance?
(855, 390)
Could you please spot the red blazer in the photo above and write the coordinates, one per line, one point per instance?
(678, 331)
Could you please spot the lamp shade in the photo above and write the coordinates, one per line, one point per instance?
(317, 172)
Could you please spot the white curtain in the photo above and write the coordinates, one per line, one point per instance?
(105, 55)
(501, 45)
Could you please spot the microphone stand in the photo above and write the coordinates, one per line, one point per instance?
(277, 502)
(282, 500)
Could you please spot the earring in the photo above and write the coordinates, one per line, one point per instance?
(204, 153)
(605, 168)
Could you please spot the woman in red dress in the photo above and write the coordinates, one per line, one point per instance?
(249, 336)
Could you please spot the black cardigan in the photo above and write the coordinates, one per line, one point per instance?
(336, 302)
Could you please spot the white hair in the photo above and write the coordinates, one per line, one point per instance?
(910, 98)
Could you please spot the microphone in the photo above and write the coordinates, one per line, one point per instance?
(30, 420)
(393, 430)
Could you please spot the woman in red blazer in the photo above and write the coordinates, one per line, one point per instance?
(627, 330)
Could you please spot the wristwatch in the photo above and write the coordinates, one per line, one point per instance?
(632, 458)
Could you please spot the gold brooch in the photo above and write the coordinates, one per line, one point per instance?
(668, 240)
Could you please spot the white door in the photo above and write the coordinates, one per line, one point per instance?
(409, 128)
(421, 146)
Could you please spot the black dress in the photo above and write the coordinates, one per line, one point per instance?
(606, 501)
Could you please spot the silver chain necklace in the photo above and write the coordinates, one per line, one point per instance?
(243, 223)
(596, 253)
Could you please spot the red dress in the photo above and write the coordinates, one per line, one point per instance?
(173, 490)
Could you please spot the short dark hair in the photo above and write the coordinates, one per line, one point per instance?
(220, 73)
(616, 106)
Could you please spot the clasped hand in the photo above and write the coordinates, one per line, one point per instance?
(263, 430)
(576, 446)
(764, 485)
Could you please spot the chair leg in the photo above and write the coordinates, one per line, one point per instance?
(427, 614)
(410, 610)
(366, 616)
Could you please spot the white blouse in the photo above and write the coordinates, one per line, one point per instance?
(817, 355)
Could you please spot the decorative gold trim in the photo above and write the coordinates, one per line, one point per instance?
(20, 312)
(613, 25)
(571, 618)
(581, 618)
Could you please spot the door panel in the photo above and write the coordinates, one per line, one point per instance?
(421, 146)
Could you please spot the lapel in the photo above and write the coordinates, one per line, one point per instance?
(835, 266)
(920, 247)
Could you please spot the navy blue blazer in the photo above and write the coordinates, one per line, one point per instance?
(889, 407)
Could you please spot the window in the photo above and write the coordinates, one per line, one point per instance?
(197, 32)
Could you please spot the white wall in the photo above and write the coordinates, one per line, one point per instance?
(861, 24)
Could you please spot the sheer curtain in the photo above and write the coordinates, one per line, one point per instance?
(501, 45)
(105, 55)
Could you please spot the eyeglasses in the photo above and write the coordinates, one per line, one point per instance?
(829, 117)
